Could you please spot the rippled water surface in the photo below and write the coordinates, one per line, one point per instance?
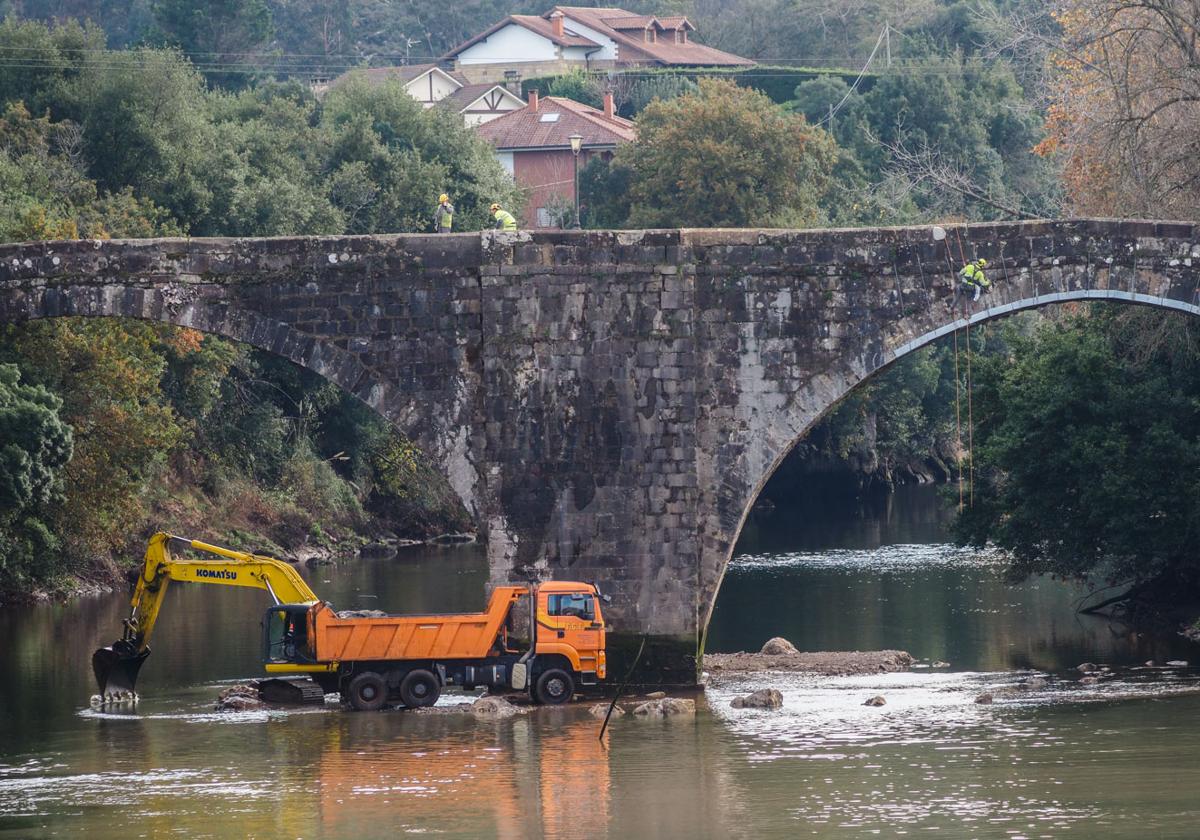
(1050, 757)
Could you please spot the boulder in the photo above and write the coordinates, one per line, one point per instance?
(939, 664)
(1086, 667)
(656, 695)
(877, 700)
(1033, 684)
(764, 698)
(778, 646)
(1177, 663)
(239, 698)
(493, 707)
(600, 710)
(984, 699)
(666, 707)
(1149, 663)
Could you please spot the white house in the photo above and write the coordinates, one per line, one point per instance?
(430, 85)
(570, 37)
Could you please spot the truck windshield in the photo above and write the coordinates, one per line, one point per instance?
(576, 605)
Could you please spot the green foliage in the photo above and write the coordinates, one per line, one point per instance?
(1088, 449)
(723, 157)
(577, 85)
(646, 90)
(223, 36)
(37, 444)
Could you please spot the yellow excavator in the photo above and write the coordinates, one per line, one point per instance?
(369, 657)
(116, 666)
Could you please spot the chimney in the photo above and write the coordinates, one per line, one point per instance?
(556, 21)
(609, 110)
(533, 101)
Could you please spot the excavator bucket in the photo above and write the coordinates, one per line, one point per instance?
(116, 668)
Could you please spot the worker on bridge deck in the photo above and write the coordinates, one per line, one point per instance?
(443, 217)
(504, 219)
(972, 281)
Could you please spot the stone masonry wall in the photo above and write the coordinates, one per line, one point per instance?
(607, 404)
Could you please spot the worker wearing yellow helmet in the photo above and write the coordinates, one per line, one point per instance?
(972, 281)
(443, 217)
(504, 219)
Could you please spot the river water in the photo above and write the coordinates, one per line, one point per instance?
(1116, 759)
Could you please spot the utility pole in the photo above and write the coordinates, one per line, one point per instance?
(887, 42)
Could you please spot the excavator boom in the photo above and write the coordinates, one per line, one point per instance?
(116, 666)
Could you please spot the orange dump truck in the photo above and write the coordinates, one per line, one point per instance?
(370, 657)
(409, 657)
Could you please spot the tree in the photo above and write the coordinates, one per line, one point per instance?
(725, 156)
(37, 444)
(223, 37)
(1087, 459)
(1124, 116)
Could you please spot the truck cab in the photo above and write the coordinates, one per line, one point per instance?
(571, 627)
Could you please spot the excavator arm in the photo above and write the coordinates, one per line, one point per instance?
(117, 666)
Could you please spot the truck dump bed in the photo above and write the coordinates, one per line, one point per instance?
(397, 637)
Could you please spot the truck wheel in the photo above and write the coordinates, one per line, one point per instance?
(554, 687)
(367, 691)
(419, 688)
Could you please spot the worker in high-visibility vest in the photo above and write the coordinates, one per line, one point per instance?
(504, 219)
(443, 217)
(972, 281)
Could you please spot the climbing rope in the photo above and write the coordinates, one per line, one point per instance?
(970, 412)
(957, 386)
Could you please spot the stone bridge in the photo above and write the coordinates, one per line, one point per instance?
(607, 404)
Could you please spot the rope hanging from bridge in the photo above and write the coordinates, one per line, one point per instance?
(970, 412)
(957, 390)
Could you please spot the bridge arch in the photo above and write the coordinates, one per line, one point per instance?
(839, 383)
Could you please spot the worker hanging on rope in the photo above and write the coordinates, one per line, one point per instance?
(504, 219)
(443, 217)
(972, 282)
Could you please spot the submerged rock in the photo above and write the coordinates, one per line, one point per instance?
(494, 707)
(778, 646)
(239, 698)
(1089, 680)
(984, 699)
(1033, 684)
(666, 707)
(877, 700)
(600, 710)
(939, 664)
(1086, 667)
(764, 698)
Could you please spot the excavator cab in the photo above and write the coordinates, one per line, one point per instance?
(285, 635)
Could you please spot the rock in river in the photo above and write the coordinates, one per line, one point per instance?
(877, 700)
(1086, 667)
(666, 707)
(778, 646)
(984, 699)
(239, 698)
(600, 710)
(764, 698)
(494, 707)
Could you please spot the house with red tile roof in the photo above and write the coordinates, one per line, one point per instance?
(534, 145)
(571, 37)
(432, 85)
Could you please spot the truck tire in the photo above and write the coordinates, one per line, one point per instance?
(419, 688)
(554, 687)
(367, 692)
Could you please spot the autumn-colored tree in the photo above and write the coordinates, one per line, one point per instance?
(725, 156)
(1125, 106)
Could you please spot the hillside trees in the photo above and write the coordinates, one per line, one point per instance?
(1124, 116)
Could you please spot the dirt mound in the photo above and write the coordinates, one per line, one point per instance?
(828, 663)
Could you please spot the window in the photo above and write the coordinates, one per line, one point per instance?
(543, 217)
(680, 37)
(548, 118)
(650, 36)
(573, 605)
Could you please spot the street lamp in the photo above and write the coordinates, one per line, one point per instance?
(576, 147)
